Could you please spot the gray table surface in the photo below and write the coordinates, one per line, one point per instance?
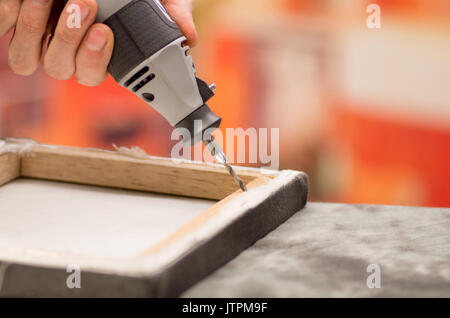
(325, 249)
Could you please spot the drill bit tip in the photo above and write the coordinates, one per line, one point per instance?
(220, 157)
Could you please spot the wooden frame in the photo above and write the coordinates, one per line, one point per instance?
(9, 167)
(177, 261)
(110, 169)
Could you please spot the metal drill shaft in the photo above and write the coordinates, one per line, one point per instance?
(236, 178)
(220, 157)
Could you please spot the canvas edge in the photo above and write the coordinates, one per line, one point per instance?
(251, 226)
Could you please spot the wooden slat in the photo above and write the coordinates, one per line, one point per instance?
(108, 169)
(9, 167)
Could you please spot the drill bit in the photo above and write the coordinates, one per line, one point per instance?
(220, 157)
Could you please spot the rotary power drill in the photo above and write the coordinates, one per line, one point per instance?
(151, 60)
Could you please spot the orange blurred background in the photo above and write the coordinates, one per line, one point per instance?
(365, 112)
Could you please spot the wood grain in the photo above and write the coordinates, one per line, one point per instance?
(9, 167)
(109, 169)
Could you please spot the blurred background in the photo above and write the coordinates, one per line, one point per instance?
(365, 112)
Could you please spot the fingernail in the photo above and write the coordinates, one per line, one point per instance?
(84, 9)
(96, 40)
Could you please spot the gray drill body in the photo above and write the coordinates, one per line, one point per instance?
(151, 60)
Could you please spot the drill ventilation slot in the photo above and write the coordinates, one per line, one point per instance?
(136, 76)
(143, 82)
(167, 82)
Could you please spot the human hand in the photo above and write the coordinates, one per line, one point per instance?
(84, 52)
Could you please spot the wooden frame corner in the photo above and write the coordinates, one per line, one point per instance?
(9, 167)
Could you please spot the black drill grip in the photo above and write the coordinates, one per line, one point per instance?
(140, 30)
